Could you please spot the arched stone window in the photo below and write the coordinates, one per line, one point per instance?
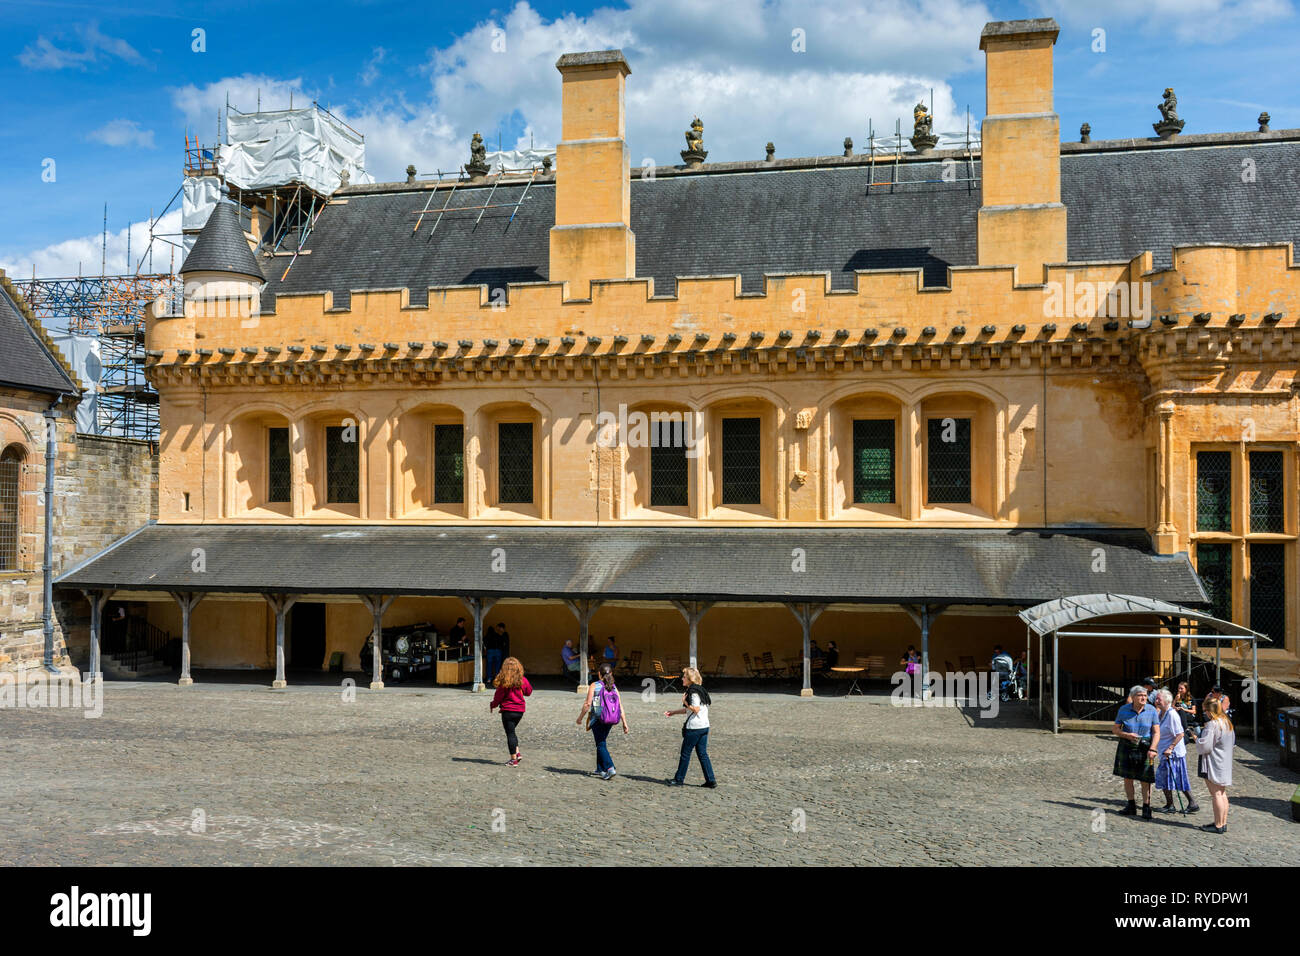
(11, 471)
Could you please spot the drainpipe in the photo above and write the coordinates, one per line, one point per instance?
(47, 563)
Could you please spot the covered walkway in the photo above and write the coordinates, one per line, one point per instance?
(924, 571)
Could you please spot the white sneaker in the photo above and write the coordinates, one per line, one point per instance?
(610, 774)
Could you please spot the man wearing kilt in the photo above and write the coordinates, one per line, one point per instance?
(1171, 775)
(1137, 725)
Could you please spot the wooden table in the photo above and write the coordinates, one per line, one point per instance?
(856, 672)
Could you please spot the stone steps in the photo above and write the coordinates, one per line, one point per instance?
(112, 667)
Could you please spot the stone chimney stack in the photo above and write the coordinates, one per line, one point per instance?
(1021, 217)
(592, 238)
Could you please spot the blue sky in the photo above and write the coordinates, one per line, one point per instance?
(108, 92)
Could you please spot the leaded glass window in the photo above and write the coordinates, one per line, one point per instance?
(1214, 565)
(449, 464)
(11, 464)
(515, 462)
(668, 469)
(948, 479)
(342, 465)
(1266, 486)
(873, 461)
(1268, 591)
(279, 470)
(742, 463)
(1213, 491)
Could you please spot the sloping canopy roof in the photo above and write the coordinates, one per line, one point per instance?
(1063, 612)
(851, 565)
(221, 246)
(26, 359)
(751, 220)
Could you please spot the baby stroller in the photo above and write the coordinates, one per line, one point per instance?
(1010, 685)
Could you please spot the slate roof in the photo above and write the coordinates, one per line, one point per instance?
(27, 360)
(221, 246)
(886, 566)
(809, 216)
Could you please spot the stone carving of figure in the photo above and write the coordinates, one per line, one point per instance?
(477, 151)
(921, 121)
(695, 136)
(1169, 106)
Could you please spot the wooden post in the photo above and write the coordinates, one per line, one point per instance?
(187, 600)
(377, 604)
(806, 614)
(583, 609)
(280, 604)
(478, 608)
(693, 611)
(97, 601)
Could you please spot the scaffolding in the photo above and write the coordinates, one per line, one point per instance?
(104, 316)
(887, 151)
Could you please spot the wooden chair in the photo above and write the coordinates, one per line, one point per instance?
(719, 670)
(750, 669)
(817, 667)
(668, 676)
(875, 665)
(631, 664)
(673, 664)
(770, 667)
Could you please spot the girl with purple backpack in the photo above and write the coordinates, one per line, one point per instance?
(603, 709)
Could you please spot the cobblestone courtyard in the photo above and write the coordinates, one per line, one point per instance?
(239, 774)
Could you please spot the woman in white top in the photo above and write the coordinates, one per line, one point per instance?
(1215, 747)
(1171, 775)
(695, 732)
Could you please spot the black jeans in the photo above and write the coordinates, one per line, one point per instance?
(510, 720)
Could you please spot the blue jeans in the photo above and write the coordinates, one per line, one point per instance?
(492, 665)
(698, 741)
(600, 730)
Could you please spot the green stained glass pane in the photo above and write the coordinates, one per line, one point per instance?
(1268, 591)
(873, 461)
(1213, 491)
(1214, 565)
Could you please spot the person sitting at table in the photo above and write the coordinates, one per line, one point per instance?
(832, 655)
(815, 652)
(611, 650)
(572, 661)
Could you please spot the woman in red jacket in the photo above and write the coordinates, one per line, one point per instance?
(512, 687)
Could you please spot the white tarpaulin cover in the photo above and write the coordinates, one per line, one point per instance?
(519, 158)
(82, 353)
(199, 196)
(280, 147)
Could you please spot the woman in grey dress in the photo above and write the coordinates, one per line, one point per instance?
(1215, 747)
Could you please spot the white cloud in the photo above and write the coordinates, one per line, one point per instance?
(122, 132)
(732, 64)
(95, 46)
(1184, 21)
(83, 255)
(371, 72)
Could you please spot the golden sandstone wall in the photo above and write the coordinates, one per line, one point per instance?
(1088, 410)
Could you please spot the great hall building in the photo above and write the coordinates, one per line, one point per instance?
(921, 392)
